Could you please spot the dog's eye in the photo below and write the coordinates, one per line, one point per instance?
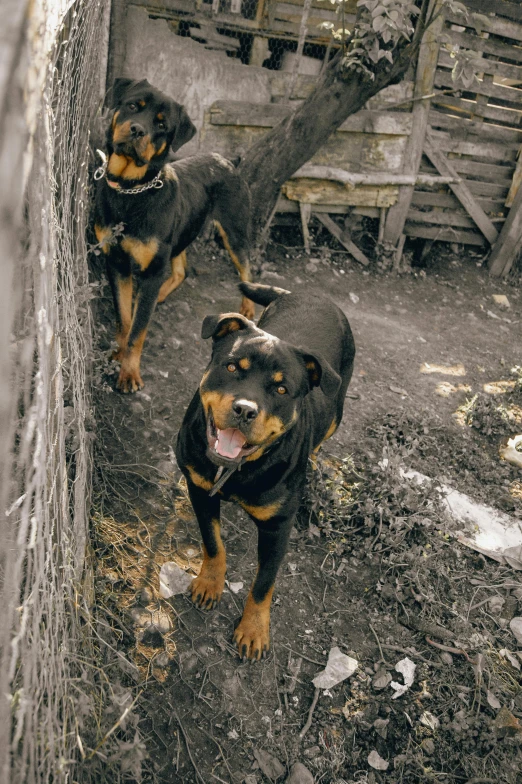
(231, 367)
(282, 390)
(133, 107)
(161, 126)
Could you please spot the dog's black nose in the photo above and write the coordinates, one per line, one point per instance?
(137, 130)
(245, 410)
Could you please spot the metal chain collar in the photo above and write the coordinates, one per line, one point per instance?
(101, 172)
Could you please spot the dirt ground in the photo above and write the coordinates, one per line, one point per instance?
(371, 568)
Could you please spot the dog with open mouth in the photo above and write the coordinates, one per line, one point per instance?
(271, 395)
(163, 206)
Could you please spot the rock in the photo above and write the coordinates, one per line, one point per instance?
(515, 625)
(312, 752)
(299, 775)
(270, 765)
(376, 761)
(311, 267)
(162, 660)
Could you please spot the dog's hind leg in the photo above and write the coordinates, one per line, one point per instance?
(179, 267)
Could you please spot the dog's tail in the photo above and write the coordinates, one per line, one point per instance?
(260, 293)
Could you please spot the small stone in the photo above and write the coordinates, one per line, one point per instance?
(312, 752)
(162, 661)
(311, 267)
(299, 775)
(515, 625)
(428, 746)
(446, 657)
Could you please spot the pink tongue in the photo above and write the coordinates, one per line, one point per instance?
(229, 442)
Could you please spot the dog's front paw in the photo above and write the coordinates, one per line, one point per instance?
(248, 309)
(206, 589)
(252, 634)
(129, 381)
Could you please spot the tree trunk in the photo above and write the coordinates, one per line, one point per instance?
(337, 95)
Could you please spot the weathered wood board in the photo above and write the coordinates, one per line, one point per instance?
(327, 192)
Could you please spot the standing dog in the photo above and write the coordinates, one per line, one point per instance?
(163, 208)
(268, 399)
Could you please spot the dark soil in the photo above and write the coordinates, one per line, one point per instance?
(371, 568)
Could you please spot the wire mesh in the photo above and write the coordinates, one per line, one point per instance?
(259, 33)
(49, 482)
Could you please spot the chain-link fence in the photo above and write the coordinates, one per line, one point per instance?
(60, 72)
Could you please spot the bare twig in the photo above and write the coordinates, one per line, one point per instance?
(185, 737)
(310, 714)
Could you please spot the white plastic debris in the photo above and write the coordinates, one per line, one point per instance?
(407, 669)
(235, 587)
(173, 580)
(376, 761)
(338, 667)
(354, 298)
(510, 452)
(482, 528)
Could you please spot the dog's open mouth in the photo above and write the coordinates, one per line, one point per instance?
(227, 445)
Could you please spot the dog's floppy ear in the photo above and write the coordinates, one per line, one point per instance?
(218, 326)
(184, 129)
(321, 374)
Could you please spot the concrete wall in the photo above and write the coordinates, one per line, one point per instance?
(185, 70)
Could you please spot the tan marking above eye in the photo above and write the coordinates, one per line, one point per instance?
(141, 103)
(278, 377)
(244, 363)
(160, 117)
(231, 367)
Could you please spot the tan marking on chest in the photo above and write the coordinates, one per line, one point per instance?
(261, 512)
(199, 480)
(141, 252)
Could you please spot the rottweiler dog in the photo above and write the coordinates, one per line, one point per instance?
(270, 396)
(163, 207)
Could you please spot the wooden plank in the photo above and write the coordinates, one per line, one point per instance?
(494, 25)
(497, 152)
(441, 218)
(444, 235)
(502, 92)
(461, 191)
(515, 183)
(426, 64)
(343, 238)
(448, 200)
(464, 128)
(498, 7)
(507, 247)
(266, 115)
(309, 191)
(284, 10)
(284, 205)
(509, 116)
(487, 45)
(501, 175)
(483, 65)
